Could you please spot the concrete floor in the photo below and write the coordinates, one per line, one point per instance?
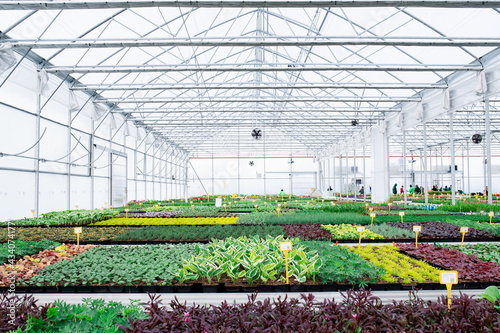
(215, 299)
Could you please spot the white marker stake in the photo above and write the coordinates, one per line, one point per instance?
(360, 230)
(416, 229)
(285, 247)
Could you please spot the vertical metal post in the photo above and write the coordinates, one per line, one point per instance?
(144, 172)
(153, 178)
(341, 189)
(452, 160)
(329, 174)
(291, 175)
(264, 146)
(364, 172)
(468, 168)
(347, 174)
(91, 164)
(37, 155)
(213, 184)
(334, 179)
(110, 167)
(405, 183)
(68, 166)
(442, 169)
(355, 188)
(186, 194)
(488, 148)
(426, 184)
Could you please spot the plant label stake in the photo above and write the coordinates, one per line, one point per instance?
(256, 208)
(333, 204)
(380, 203)
(372, 215)
(290, 197)
(265, 203)
(33, 212)
(360, 230)
(278, 210)
(286, 247)
(482, 212)
(76, 207)
(448, 278)
(401, 214)
(296, 202)
(225, 210)
(416, 229)
(156, 207)
(140, 205)
(463, 230)
(491, 214)
(285, 203)
(78, 231)
(366, 205)
(389, 204)
(126, 213)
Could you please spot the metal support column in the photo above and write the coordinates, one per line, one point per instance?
(37, 155)
(488, 148)
(355, 188)
(468, 168)
(442, 169)
(341, 189)
(364, 172)
(452, 160)
(347, 174)
(334, 178)
(405, 183)
(426, 184)
(91, 164)
(68, 166)
(213, 183)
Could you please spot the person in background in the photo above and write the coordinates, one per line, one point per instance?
(362, 190)
(417, 189)
(395, 189)
(486, 191)
(411, 190)
(282, 192)
(401, 190)
(434, 187)
(330, 189)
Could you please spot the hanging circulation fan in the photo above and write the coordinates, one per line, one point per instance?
(256, 133)
(476, 138)
(251, 163)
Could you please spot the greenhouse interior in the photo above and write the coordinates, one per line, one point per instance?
(249, 166)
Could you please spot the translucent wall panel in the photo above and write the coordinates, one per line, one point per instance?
(17, 197)
(53, 192)
(17, 134)
(80, 192)
(101, 192)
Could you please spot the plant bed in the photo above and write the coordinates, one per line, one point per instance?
(310, 231)
(348, 231)
(442, 230)
(486, 252)
(469, 267)
(398, 267)
(168, 221)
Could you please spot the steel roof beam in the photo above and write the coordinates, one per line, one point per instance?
(161, 110)
(259, 100)
(260, 86)
(264, 41)
(60, 5)
(268, 67)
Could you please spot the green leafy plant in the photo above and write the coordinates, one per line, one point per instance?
(492, 294)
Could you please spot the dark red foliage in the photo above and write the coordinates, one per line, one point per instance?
(359, 311)
(469, 267)
(441, 230)
(311, 231)
(15, 310)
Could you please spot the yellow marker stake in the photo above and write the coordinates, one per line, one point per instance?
(78, 231)
(265, 203)
(389, 204)
(333, 203)
(140, 205)
(126, 213)
(278, 210)
(380, 203)
(285, 203)
(296, 202)
(285, 247)
(448, 278)
(173, 203)
(491, 214)
(150, 203)
(416, 229)
(156, 207)
(76, 207)
(323, 201)
(372, 215)
(256, 208)
(192, 207)
(33, 212)
(226, 210)
(401, 214)
(290, 197)
(463, 230)
(360, 230)
(366, 206)
(229, 204)
(111, 207)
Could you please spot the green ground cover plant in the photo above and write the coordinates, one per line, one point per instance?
(389, 232)
(20, 248)
(486, 251)
(253, 259)
(397, 266)
(63, 234)
(117, 265)
(191, 233)
(316, 217)
(469, 207)
(494, 228)
(339, 265)
(68, 217)
(348, 231)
